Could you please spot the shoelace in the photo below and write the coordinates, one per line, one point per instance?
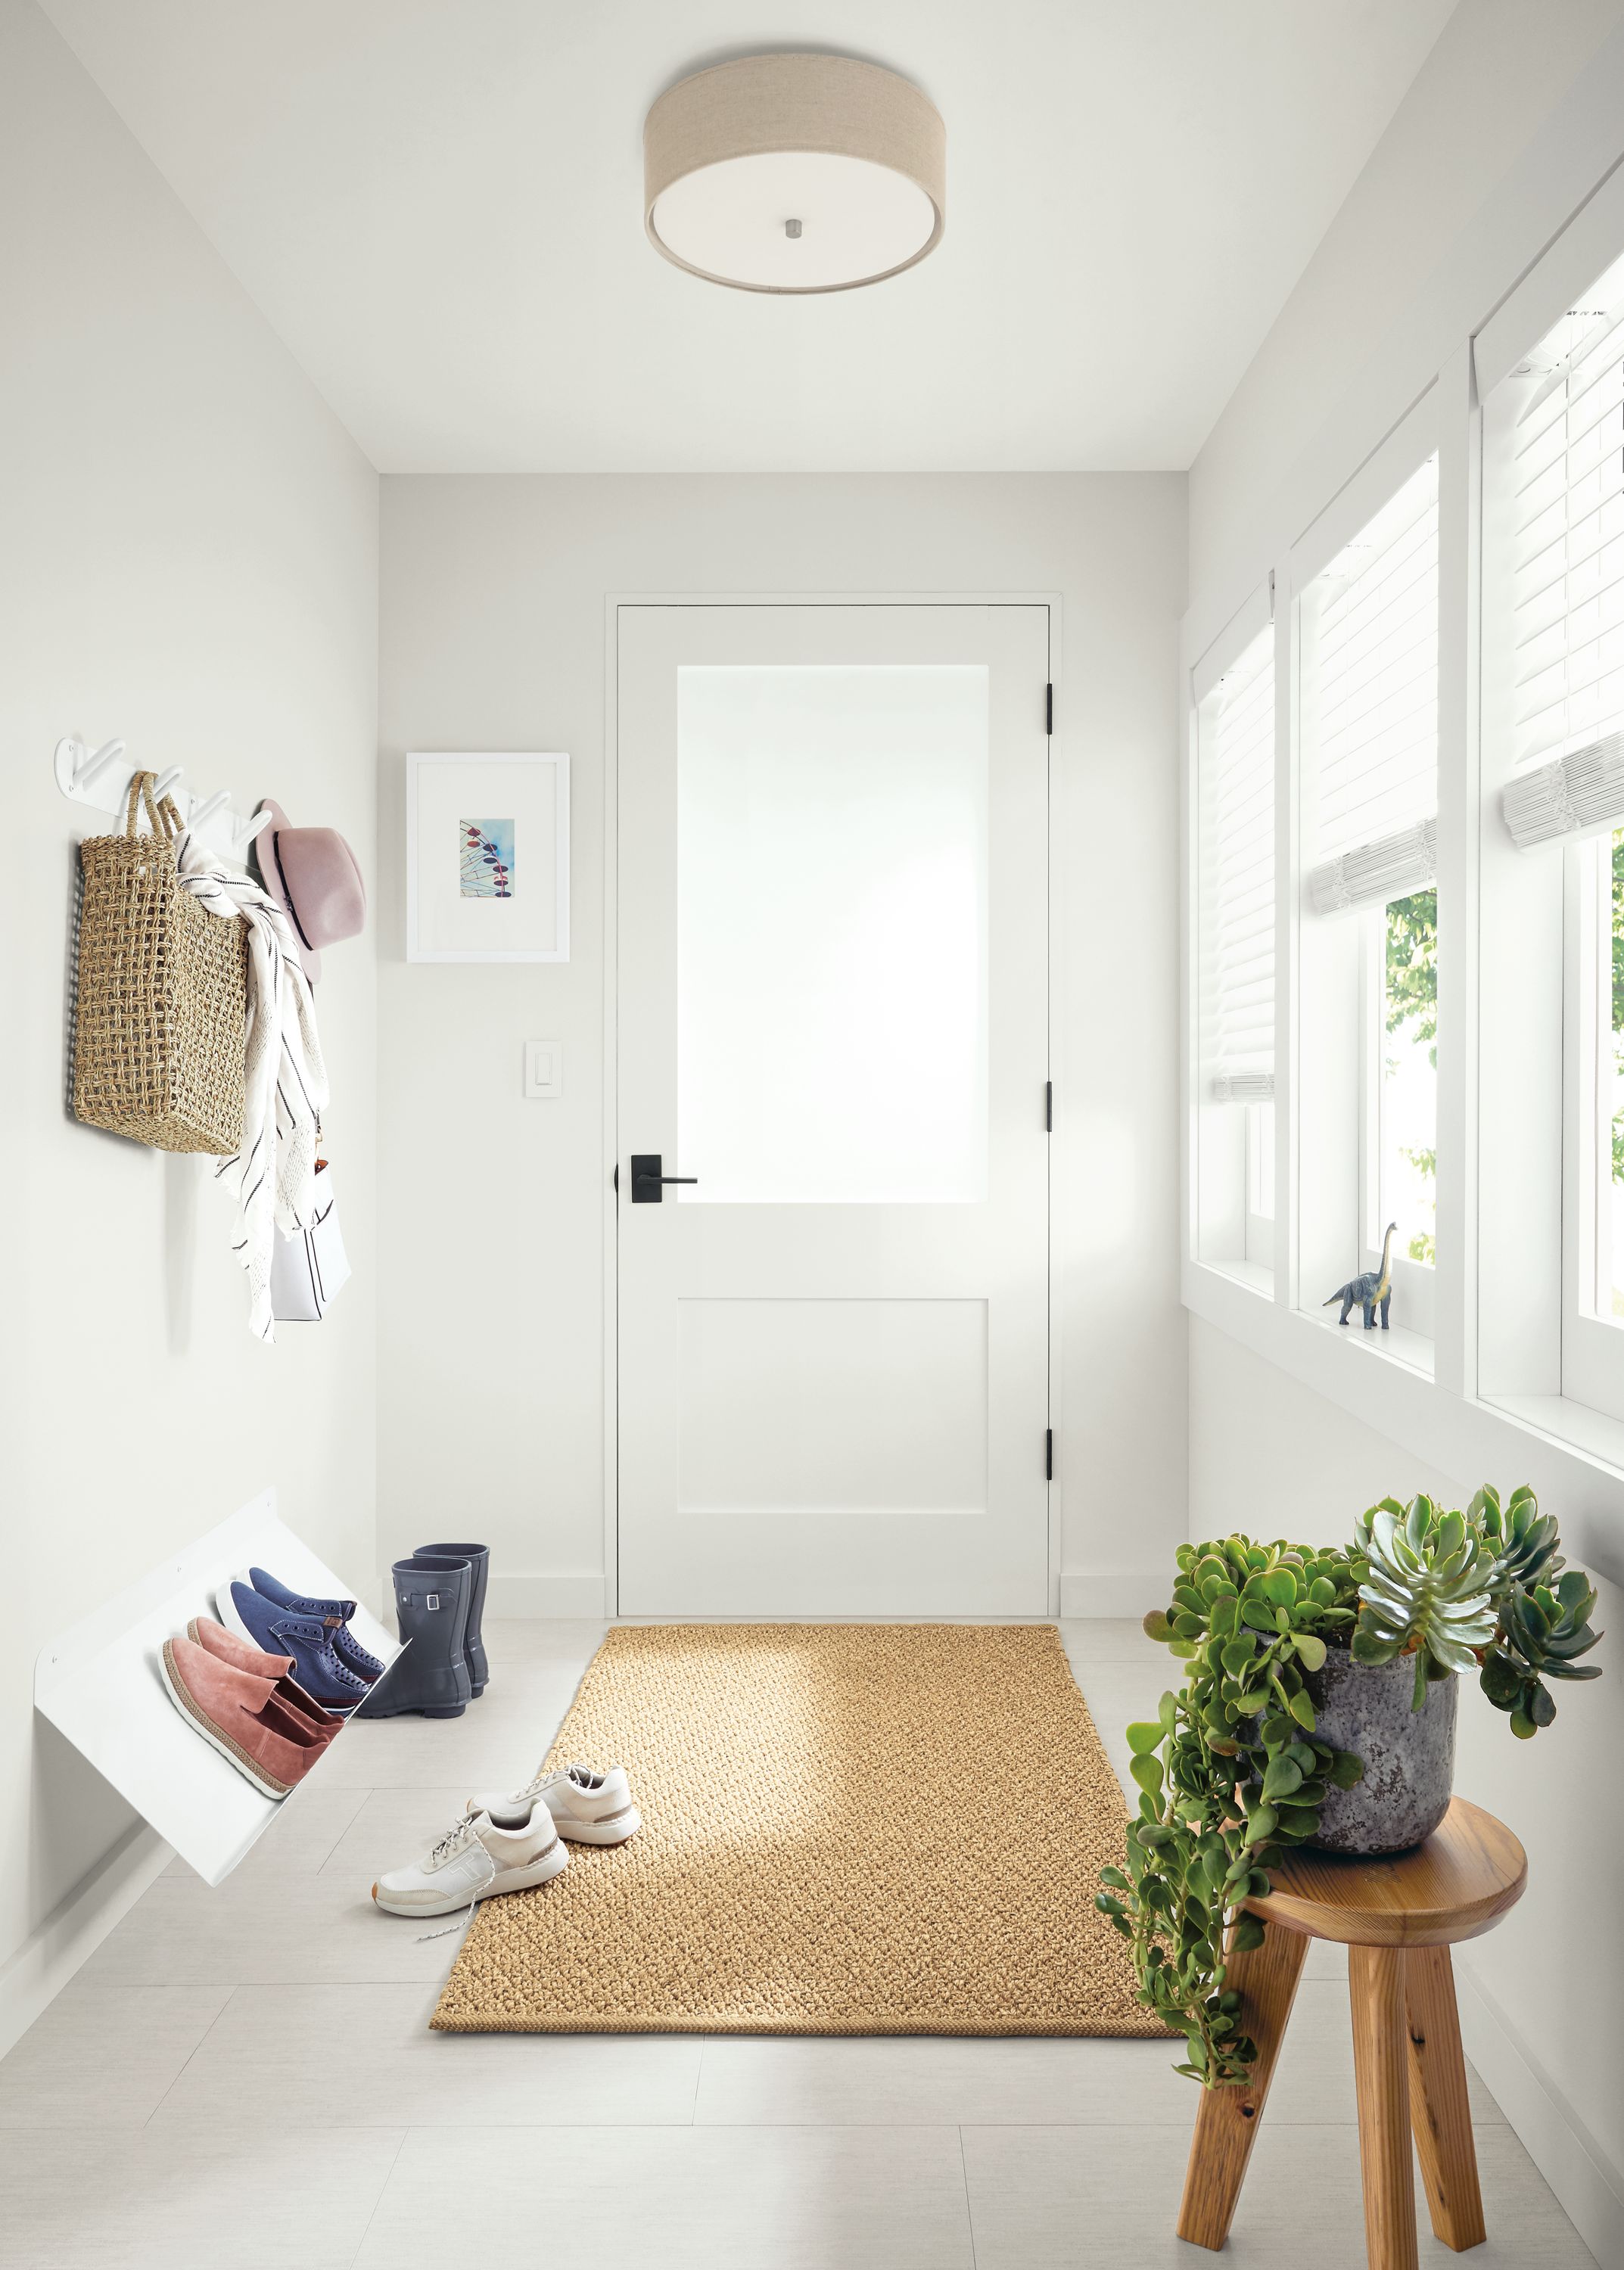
(456, 1840)
(588, 1782)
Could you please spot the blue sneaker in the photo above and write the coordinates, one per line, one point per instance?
(334, 1613)
(308, 1639)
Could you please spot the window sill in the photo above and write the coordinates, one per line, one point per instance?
(1574, 1425)
(1257, 1276)
(1397, 1344)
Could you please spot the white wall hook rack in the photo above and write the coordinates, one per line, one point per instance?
(101, 777)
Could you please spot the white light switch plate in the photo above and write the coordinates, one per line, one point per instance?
(544, 1068)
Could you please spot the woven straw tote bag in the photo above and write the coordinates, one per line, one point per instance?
(162, 1000)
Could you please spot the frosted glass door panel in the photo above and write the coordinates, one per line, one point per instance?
(831, 934)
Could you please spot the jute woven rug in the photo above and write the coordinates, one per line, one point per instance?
(848, 1829)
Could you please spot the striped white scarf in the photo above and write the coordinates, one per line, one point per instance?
(271, 1178)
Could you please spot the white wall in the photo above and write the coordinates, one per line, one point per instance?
(190, 562)
(491, 1207)
(1542, 1999)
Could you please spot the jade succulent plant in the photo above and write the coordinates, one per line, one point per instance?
(1426, 1590)
(1231, 1772)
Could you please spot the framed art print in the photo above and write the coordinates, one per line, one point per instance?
(488, 857)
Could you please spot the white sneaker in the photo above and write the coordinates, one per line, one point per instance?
(475, 1861)
(587, 1807)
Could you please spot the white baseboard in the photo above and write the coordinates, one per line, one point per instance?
(539, 1596)
(75, 1927)
(1587, 2187)
(1113, 1591)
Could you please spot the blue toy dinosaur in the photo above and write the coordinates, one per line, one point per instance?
(1373, 1290)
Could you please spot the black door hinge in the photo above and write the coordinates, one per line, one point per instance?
(1048, 709)
(1049, 1455)
(1048, 1107)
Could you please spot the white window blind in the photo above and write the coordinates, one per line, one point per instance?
(1567, 476)
(1238, 945)
(1372, 691)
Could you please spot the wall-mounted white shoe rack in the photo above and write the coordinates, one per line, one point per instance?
(99, 1683)
(101, 777)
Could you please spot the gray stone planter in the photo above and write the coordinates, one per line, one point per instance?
(1409, 1754)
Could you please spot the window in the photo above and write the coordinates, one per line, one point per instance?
(1369, 714)
(1235, 892)
(1553, 587)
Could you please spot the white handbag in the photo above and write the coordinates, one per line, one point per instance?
(308, 1269)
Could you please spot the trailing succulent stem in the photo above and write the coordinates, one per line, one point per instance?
(1231, 1773)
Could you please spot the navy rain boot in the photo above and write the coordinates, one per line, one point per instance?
(432, 1595)
(478, 1559)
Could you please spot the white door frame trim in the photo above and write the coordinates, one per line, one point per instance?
(613, 602)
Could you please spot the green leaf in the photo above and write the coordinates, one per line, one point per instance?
(1302, 1710)
(1258, 1615)
(1278, 1586)
(1147, 1773)
(1282, 1779)
(1311, 1651)
(1261, 1823)
(1144, 1738)
(1158, 1625)
(1249, 1934)
(1367, 1647)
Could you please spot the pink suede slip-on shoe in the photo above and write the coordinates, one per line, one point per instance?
(241, 1656)
(240, 1716)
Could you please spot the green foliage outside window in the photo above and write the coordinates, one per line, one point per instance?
(1413, 1008)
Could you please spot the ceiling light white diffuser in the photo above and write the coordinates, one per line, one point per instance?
(795, 173)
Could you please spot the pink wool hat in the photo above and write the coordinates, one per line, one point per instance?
(313, 873)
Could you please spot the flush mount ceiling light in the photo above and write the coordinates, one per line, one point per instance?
(795, 173)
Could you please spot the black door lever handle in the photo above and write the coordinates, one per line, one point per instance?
(647, 1180)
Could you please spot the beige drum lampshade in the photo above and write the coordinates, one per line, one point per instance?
(795, 173)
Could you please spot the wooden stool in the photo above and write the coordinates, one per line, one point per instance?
(1398, 1918)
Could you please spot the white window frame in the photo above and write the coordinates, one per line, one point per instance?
(1575, 1355)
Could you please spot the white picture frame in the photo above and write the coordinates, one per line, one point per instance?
(487, 855)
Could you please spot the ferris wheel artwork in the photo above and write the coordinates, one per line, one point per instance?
(483, 889)
(487, 858)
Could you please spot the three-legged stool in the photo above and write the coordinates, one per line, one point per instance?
(1398, 1918)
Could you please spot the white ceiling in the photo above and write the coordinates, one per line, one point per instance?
(437, 203)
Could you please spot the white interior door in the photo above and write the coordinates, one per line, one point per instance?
(833, 1017)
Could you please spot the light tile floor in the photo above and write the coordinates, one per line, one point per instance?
(243, 2079)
